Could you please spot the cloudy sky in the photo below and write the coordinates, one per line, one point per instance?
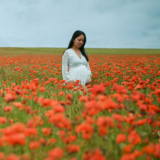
(106, 23)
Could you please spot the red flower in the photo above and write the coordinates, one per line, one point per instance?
(86, 130)
(7, 109)
(134, 138)
(138, 87)
(69, 96)
(30, 131)
(118, 117)
(12, 157)
(137, 153)
(2, 155)
(98, 89)
(18, 105)
(95, 155)
(157, 92)
(127, 157)
(157, 150)
(46, 131)
(3, 120)
(9, 97)
(121, 138)
(42, 89)
(73, 148)
(16, 139)
(56, 153)
(34, 145)
(103, 130)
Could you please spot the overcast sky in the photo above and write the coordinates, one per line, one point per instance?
(106, 23)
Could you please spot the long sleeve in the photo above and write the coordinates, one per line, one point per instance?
(65, 73)
(88, 67)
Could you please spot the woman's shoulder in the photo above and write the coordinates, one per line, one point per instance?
(68, 50)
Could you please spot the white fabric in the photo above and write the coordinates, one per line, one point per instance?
(78, 68)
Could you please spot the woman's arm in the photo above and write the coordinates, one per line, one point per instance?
(90, 74)
(65, 60)
(88, 67)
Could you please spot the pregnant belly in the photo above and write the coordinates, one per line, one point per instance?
(79, 73)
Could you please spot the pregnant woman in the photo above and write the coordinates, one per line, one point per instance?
(76, 59)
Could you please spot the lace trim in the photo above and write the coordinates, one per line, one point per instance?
(65, 73)
(88, 67)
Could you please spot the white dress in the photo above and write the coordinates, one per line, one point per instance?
(78, 68)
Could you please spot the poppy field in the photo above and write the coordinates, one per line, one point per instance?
(116, 117)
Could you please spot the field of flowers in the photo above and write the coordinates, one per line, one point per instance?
(116, 117)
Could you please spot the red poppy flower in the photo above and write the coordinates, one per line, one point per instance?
(121, 138)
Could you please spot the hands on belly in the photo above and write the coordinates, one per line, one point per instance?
(71, 81)
(76, 83)
(89, 81)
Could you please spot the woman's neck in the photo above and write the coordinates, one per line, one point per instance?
(75, 48)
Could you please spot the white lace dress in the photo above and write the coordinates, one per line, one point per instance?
(78, 68)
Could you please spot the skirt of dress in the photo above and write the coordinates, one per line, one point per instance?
(80, 73)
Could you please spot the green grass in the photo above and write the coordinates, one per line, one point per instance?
(18, 51)
(23, 71)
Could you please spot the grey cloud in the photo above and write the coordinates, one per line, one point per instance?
(107, 23)
(102, 6)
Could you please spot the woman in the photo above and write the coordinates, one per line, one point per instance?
(76, 59)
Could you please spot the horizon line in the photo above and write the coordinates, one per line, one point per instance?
(85, 48)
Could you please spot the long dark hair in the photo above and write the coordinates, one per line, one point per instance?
(74, 36)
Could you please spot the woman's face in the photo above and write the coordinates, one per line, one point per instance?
(78, 42)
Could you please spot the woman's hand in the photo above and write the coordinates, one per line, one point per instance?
(89, 81)
(71, 81)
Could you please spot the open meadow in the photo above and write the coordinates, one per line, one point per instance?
(116, 117)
